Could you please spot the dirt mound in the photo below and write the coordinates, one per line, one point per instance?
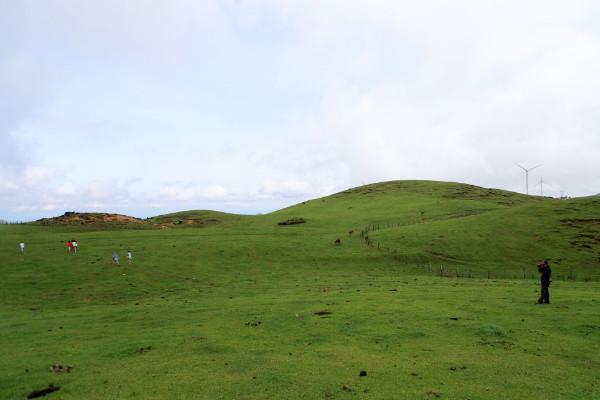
(75, 218)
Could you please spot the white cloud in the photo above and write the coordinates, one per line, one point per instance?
(50, 207)
(216, 192)
(254, 104)
(34, 175)
(8, 188)
(290, 189)
(101, 190)
(482, 91)
(68, 189)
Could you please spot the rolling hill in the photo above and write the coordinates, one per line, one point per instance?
(223, 306)
(463, 229)
(466, 227)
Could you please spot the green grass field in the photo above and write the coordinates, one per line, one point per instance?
(221, 306)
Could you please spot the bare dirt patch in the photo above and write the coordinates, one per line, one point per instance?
(323, 313)
(58, 368)
(42, 392)
(76, 218)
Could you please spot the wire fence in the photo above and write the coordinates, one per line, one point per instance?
(452, 268)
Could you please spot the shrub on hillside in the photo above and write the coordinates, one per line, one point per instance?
(292, 221)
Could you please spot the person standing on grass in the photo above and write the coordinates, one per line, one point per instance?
(115, 258)
(69, 246)
(74, 245)
(129, 256)
(22, 247)
(545, 275)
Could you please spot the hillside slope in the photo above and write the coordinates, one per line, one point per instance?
(463, 227)
(196, 219)
(246, 308)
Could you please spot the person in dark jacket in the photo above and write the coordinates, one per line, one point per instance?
(545, 275)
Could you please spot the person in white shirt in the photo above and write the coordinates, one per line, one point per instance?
(129, 256)
(22, 247)
(74, 244)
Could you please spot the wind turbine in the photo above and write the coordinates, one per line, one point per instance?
(527, 176)
(541, 186)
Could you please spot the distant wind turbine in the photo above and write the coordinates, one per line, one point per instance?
(527, 176)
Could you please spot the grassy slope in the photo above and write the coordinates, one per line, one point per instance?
(198, 218)
(466, 227)
(508, 240)
(191, 292)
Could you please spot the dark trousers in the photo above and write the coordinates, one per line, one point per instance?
(544, 293)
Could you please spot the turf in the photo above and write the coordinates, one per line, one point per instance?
(240, 308)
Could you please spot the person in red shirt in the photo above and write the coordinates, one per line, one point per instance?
(69, 246)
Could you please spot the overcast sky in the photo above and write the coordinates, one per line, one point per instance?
(145, 107)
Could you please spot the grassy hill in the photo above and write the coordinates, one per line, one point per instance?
(244, 308)
(196, 219)
(464, 228)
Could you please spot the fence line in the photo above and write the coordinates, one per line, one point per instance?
(457, 270)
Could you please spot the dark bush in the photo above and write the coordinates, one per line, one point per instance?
(292, 221)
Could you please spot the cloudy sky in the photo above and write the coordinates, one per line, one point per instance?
(145, 107)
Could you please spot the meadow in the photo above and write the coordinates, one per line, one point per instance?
(222, 306)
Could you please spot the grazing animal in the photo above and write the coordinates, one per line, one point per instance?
(338, 242)
(350, 233)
